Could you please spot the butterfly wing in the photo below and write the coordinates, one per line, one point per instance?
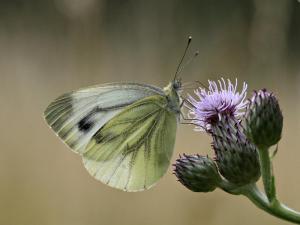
(77, 116)
(133, 150)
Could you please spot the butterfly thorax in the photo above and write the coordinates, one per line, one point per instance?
(172, 95)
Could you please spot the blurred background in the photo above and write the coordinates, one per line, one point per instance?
(50, 47)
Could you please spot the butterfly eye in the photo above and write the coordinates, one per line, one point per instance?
(177, 84)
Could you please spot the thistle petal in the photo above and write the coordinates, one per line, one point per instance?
(221, 98)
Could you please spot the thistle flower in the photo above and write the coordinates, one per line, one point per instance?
(197, 173)
(240, 156)
(264, 119)
(218, 112)
(222, 99)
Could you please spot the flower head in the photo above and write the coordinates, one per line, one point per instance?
(197, 173)
(237, 157)
(221, 98)
(264, 119)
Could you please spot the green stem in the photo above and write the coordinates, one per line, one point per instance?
(267, 173)
(275, 208)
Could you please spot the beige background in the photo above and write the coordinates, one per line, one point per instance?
(51, 47)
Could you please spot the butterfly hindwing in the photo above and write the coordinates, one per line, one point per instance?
(133, 149)
(77, 116)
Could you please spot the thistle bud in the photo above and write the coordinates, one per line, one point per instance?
(197, 173)
(235, 155)
(264, 119)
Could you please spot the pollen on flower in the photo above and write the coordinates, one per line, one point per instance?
(221, 98)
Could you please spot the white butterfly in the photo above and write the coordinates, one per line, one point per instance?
(125, 132)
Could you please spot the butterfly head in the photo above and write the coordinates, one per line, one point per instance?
(176, 84)
(173, 87)
(172, 94)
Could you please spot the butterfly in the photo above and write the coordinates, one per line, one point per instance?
(125, 132)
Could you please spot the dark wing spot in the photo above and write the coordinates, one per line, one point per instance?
(85, 125)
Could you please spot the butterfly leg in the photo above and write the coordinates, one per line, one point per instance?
(185, 100)
(181, 113)
(192, 121)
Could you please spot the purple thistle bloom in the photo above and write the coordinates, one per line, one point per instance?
(222, 99)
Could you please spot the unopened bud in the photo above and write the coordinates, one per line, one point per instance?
(197, 173)
(264, 119)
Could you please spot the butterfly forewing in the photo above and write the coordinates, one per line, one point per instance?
(133, 149)
(77, 116)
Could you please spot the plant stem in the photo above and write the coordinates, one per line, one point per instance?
(275, 207)
(267, 173)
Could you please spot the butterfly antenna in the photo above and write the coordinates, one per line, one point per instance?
(182, 58)
(189, 61)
